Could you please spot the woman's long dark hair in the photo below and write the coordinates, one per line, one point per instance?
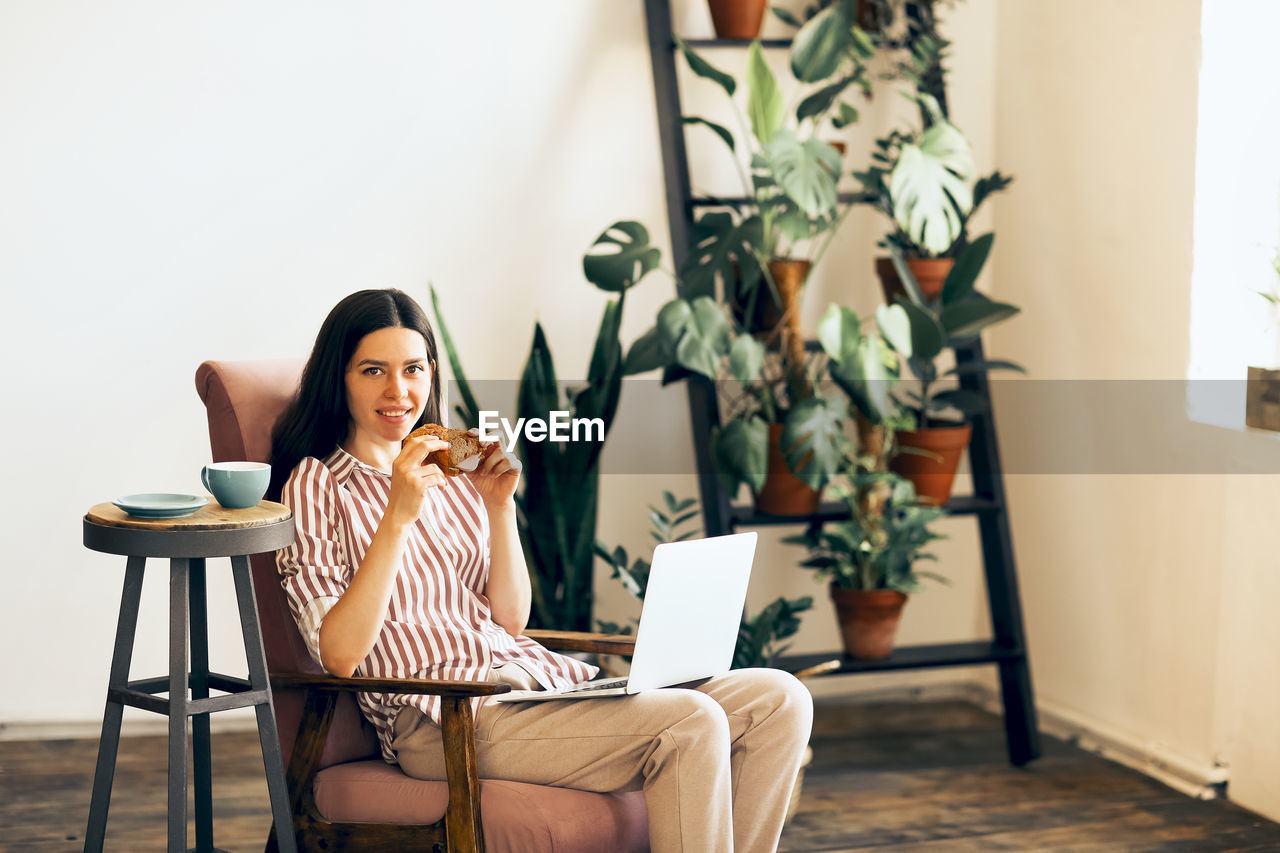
(317, 419)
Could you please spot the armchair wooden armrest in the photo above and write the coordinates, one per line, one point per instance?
(361, 684)
(457, 725)
(582, 641)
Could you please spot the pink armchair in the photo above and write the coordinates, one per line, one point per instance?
(344, 796)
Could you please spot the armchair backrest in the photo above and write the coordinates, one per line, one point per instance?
(243, 400)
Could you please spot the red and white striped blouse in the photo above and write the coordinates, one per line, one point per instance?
(437, 623)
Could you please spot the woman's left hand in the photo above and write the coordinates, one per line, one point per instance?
(496, 477)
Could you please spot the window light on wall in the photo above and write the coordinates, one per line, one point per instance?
(1237, 208)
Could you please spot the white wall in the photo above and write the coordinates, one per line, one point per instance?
(1149, 598)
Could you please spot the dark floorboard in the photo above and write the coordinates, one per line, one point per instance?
(908, 776)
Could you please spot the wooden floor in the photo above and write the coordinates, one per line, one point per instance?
(908, 777)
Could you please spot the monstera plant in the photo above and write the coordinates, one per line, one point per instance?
(557, 504)
(776, 424)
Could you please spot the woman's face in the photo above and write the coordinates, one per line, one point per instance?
(388, 384)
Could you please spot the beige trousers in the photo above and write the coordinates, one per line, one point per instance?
(716, 763)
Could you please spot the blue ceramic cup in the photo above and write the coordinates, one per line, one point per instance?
(237, 485)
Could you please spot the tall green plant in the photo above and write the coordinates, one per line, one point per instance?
(557, 504)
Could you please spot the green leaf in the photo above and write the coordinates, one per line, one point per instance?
(927, 335)
(929, 187)
(974, 313)
(846, 114)
(964, 273)
(818, 48)
(820, 101)
(764, 99)
(634, 258)
(719, 247)
(746, 359)
(705, 69)
(470, 410)
(786, 17)
(968, 402)
(839, 332)
(699, 332)
(984, 366)
(806, 171)
(720, 130)
(895, 326)
(741, 451)
(813, 440)
(648, 352)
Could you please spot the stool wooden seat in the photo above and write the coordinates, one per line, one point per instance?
(212, 531)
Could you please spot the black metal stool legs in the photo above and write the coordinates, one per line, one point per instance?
(267, 735)
(200, 744)
(179, 630)
(121, 658)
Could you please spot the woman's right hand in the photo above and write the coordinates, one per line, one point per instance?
(411, 477)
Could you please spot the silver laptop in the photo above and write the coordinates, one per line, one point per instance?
(689, 623)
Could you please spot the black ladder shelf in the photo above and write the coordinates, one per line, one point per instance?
(1007, 648)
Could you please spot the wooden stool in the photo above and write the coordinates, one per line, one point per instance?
(211, 532)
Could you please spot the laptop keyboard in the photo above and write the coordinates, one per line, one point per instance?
(602, 684)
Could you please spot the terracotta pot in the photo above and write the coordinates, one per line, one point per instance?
(784, 493)
(930, 273)
(767, 314)
(932, 474)
(868, 620)
(737, 19)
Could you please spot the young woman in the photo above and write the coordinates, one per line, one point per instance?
(399, 571)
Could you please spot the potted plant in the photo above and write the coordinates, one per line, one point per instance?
(922, 180)
(777, 435)
(871, 558)
(919, 329)
(1262, 388)
(764, 250)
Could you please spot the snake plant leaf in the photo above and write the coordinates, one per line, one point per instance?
(746, 359)
(813, 440)
(765, 105)
(927, 335)
(705, 69)
(895, 327)
(648, 352)
(930, 188)
(974, 313)
(719, 129)
(741, 452)
(820, 101)
(964, 273)
(818, 48)
(616, 270)
(469, 411)
(806, 171)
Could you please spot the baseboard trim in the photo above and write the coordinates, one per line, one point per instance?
(1152, 758)
(92, 729)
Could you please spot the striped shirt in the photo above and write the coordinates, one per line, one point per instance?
(437, 623)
